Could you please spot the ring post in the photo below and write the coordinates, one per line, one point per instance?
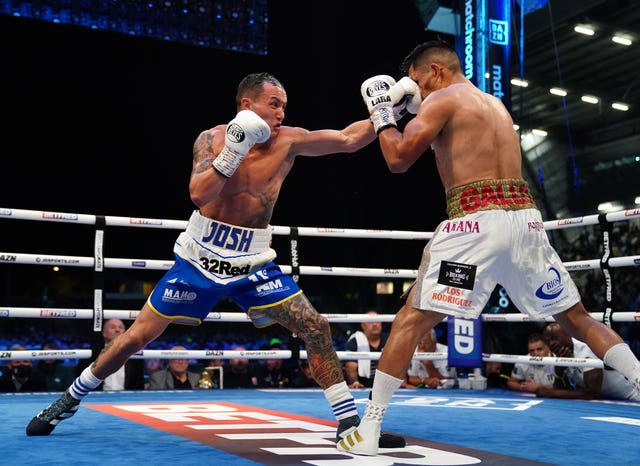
(604, 266)
(293, 251)
(98, 273)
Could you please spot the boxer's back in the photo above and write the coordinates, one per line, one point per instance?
(478, 140)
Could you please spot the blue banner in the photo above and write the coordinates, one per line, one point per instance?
(529, 6)
(469, 45)
(499, 49)
(464, 339)
(483, 45)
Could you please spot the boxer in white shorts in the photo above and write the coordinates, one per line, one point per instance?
(494, 233)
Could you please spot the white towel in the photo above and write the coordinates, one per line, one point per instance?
(364, 365)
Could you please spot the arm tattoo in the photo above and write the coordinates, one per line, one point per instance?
(202, 165)
(203, 144)
(203, 153)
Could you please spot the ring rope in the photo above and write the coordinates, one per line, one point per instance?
(155, 264)
(61, 313)
(546, 361)
(287, 354)
(47, 216)
(202, 354)
(21, 355)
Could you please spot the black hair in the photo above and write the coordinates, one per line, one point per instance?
(537, 336)
(253, 83)
(434, 50)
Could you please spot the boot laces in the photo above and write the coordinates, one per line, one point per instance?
(374, 411)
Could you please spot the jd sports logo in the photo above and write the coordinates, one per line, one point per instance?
(553, 287)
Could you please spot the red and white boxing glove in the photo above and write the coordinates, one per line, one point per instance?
(243, 132)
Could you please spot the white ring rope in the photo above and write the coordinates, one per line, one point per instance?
(23, 355)
(201, 354)
(60, 313)
(87, 219)
(545, 361)
(267, 354)
(287, 354)
(154, 264)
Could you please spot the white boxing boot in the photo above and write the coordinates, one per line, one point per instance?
(363, 440)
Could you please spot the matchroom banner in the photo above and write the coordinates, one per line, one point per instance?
(484, 46)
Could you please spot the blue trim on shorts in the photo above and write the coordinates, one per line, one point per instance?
(186, 296)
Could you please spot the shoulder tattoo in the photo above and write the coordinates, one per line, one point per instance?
(203, 154)
(202, 165)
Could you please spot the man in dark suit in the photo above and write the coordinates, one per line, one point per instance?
(176, 376)
(19, 376)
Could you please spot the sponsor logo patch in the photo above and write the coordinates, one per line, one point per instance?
(552, 287)
(458, 275)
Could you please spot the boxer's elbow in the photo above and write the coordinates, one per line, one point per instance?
(397, 165)
(200, 193)
(198, 201)
(397, 168)
(398, 160)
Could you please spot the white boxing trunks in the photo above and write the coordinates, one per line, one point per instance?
(494, 235)
(222, 252)
(216, 261)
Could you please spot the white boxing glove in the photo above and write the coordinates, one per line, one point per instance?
(381, 96)
(400, 110)
(243, 132)
(411, 90)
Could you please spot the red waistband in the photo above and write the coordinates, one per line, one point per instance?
(506, 194)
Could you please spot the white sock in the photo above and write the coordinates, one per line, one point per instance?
(341, 401)
(622, 359)
(84, 384)
(384, 386)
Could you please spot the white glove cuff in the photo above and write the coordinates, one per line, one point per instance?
(383, 118)
(227, 162)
